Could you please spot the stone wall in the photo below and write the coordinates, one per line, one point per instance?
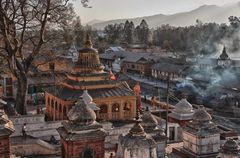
(36, 127)
(204, 145)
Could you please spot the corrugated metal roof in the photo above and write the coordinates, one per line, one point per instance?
(167, 67)
(129, 56)
(66, 93)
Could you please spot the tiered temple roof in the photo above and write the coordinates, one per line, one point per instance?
(88, 74)
(224, 55)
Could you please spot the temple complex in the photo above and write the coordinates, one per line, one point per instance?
(116, 101)
(81, 136)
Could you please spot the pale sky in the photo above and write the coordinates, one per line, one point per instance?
(118, 9)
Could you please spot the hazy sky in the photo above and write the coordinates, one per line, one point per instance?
(117, 9)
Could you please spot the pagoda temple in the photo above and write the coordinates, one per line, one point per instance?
(114, 99)
(224, 59)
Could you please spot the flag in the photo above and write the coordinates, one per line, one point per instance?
(111, 75)
(139, 102)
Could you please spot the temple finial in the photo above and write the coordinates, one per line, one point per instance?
(88, 43)
(137, 114)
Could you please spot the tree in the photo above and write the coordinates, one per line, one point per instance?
(113, 33)
(142, 32)
(78, 32)
(234, 21)
(24, 32)
(128, 32)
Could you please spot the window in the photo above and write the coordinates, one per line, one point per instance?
(56, 105)
(115, 107)
(64, 111)
(60, 107)
(127, 106)
(52, 104)
(51, 66)
(103, 108)
(8, 81)
(48, 101)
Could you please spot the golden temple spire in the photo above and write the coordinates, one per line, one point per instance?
(88, 43)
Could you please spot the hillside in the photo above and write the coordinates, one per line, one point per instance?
(205, 13)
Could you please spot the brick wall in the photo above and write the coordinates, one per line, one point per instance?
(77, 149)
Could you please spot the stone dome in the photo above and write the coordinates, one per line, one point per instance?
(86, 97)
(183, 106)
(81, 114)
(88, 56)
(131, 142)
(148, 120)
(137, 130)
(230, 145)
(137, 137)
(201, 115)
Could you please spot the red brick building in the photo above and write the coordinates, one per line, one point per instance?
(5, 131)
(81, 136)
(141, 66)
(135, 63)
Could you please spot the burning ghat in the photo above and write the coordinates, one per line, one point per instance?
(213, 82)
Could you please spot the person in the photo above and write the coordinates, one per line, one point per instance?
(153, 101)
(111, 155)
(116, 147)
(24, 129)
(41, 110)
(38, 110)
(53, 140)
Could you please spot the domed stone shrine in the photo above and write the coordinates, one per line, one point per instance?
(151, 126)
(81, 136)
(137, 144)
(114, 99)
(201, 137)
(182, 113)
(230, 149)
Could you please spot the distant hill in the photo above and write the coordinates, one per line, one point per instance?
(205, 13)
(94, 22)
